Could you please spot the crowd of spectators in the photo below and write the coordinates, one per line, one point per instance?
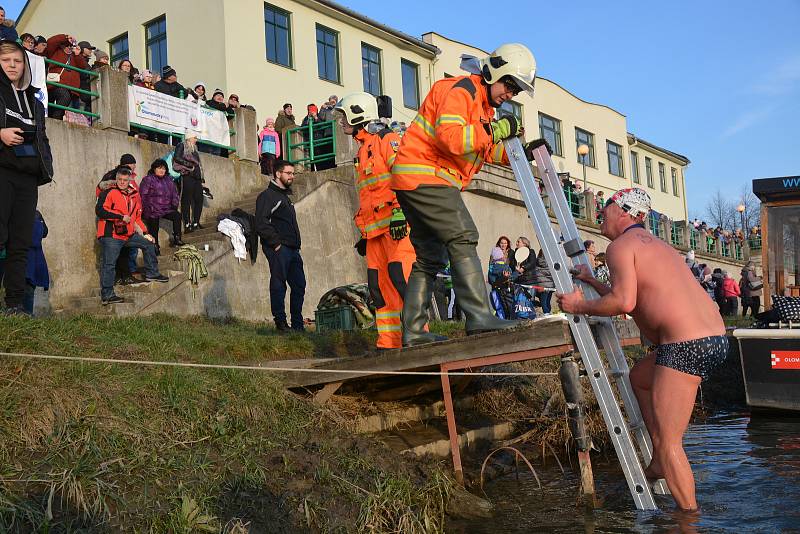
(735, 237)
(725, 290)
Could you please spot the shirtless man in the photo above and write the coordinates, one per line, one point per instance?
(650, 281)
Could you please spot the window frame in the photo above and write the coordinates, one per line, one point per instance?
(591, 155)
(379, 63)
(558, 149)
(330, 31)
(112, 57)
(648, 169)
(415, 66)
(675, 188)
(149, 41)
(289, 52)
(635, 176)
(662, 177)
(620, 155)
(517, 110)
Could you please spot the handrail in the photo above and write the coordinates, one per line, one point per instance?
(91, 73)
(76, 89)
(180, 136)
(312, 143)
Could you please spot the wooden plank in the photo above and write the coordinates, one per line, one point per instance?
(327, 391)
(540, 334)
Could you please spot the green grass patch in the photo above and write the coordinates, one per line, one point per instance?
(99, 447)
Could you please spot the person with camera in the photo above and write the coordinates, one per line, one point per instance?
(25, 163)
(64, 49)
(120, 225)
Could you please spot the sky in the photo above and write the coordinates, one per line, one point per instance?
(717, 81)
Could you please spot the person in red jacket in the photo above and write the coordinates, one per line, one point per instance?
(120, 225)
(731, 294)
(384, 231)
(64, 49)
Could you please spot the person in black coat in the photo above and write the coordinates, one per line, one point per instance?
(25, 163)
(169, 85)
(276, 225)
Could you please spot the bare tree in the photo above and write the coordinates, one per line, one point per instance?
(720, 211)
(752, 208)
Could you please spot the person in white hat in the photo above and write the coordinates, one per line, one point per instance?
(650, 281)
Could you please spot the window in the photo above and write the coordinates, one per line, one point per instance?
(278, 36)
(509, 107)
(156, 44)
(328, 54)
(550, 129)
(371, 68)
(675, 190)
(410, 75)
(635, 167)
(119, 48)
(615, 156)
(582, 137)
(648, 170)
(662, 177)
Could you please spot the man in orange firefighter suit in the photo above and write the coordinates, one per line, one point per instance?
(384, 231)
(453, 134)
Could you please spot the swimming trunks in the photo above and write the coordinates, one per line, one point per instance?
(698, 357)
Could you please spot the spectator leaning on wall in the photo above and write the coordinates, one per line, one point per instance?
(64, 49)
(25, 163)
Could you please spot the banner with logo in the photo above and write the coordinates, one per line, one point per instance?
(157, 110)
(39, 78)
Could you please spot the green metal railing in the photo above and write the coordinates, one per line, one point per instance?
(575, 202)
(315, 147)
(738, 253)
(754, 243)
(726, 249)
(675, 234)
(693, 239)
(70, 88)
(655, 228)
(179, 136)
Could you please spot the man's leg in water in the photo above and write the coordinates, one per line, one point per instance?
(674, 394)
(641, 376)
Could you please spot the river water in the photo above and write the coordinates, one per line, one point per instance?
(747, 471)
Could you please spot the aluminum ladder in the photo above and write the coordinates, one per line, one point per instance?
(558, 253)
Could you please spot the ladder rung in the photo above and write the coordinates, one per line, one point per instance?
(616, 373)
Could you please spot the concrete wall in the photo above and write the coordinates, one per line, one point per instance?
(81, 156)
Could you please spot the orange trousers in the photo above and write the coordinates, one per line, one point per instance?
(388, 266)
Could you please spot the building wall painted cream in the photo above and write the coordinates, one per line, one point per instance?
(605, 123)
(666, 202)
(195, 42)
(268, 86)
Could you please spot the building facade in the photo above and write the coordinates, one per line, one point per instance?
(302, 51)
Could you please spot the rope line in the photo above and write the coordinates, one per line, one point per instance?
(156, 363)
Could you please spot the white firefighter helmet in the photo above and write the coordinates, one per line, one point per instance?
(513, 60)
(358, 108)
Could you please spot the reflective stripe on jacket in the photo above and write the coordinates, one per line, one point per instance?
(376, 199)
(449, 140)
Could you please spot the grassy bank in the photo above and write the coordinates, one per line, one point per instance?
(107, 448)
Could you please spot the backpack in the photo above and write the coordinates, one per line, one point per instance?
(176, 176)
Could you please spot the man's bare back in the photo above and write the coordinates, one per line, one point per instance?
(670, 305)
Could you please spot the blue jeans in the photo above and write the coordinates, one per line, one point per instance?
(286, 267)
(544, 298)
(111, 250)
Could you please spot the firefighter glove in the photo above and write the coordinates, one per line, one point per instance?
(398, 227)
(533, 145)
(361, 247)
(505, 128)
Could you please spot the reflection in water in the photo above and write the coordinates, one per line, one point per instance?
(747, 472)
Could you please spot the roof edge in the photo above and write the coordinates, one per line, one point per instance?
(418, 43)
(678, 158)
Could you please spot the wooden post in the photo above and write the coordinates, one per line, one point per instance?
(451, 426)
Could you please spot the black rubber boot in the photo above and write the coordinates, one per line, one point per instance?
(415, 310)
(473, 299)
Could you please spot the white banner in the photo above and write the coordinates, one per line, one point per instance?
(157, 110)
(39, 78)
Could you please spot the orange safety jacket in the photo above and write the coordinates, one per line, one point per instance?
(449, 139)
(112, 206)
(376, 200)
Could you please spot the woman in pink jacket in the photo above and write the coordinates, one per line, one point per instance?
(731, 293)
(269, 146)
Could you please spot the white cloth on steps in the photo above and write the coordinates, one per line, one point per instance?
(233, 230)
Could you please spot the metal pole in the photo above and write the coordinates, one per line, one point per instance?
(583, 161)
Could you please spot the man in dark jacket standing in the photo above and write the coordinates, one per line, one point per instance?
(169, 85)
(276, 225)
(25, 164)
